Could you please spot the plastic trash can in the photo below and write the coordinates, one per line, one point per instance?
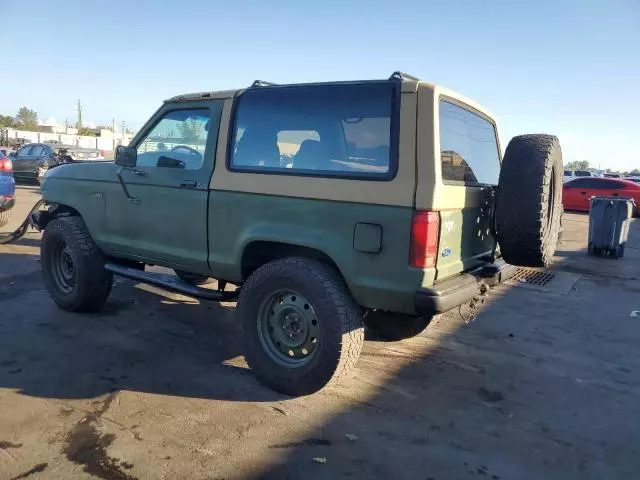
(609, 219)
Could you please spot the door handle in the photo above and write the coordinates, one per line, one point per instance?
(583, 193)
(140, 173)
(615, 195)
(189, 183)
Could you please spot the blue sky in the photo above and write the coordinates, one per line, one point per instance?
(568, 67)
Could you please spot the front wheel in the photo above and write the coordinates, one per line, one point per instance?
(73, 267)
(302, 329)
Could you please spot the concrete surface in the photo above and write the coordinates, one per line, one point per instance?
(540, 384)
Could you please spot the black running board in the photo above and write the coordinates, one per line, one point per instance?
(172, 283)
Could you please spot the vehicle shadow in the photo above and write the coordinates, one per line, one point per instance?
(516, 392)
(144, 340)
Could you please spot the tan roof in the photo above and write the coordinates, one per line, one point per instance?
(409, 84)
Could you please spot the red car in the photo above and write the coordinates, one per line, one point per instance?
(577, 192)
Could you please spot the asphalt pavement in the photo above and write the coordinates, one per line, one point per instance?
(542, 382)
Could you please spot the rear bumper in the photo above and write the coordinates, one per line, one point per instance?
(448, 294)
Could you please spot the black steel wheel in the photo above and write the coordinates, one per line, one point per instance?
(301, 327)
(73, 267)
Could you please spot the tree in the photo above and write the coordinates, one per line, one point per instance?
(191, 131)
(27, 119)
(635, 171)
(6, 121)
(86, 132)
(577, 165)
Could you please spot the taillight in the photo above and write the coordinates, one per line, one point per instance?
(6, 165)
(425, 231)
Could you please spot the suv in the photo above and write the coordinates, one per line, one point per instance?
(327, 205)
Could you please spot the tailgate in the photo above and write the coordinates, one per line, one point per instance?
(466, 238)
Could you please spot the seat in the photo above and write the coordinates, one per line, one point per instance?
(257, 147)
(312, 155)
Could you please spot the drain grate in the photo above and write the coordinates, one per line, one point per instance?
(533, 277)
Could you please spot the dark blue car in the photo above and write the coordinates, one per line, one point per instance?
(7, 189)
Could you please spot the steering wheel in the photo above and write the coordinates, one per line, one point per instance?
(193, 151)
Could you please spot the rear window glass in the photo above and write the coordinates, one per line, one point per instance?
(567, 173)
(468, 147)
(328, 130)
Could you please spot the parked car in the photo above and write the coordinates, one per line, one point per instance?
(365, 223)
(30, 160)
(7, 189)
(568, 175)
(576, 194)
(584, 173)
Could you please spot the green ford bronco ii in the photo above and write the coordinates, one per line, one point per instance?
(318, 207)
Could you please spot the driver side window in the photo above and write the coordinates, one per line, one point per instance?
(178, 140)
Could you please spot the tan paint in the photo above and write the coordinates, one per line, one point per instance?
(396, 192)
(419, 138)
(432, 193)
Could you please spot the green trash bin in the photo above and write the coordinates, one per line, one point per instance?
(609, 219)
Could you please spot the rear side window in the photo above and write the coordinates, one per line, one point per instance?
(468, 147)
(583, 173)
(344, 130)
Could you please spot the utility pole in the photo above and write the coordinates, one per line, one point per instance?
(113, 134)
(66, 126)
(79, 125)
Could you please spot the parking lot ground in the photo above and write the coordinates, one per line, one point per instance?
(542, 383)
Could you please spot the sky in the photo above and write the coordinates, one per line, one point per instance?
(565, 67)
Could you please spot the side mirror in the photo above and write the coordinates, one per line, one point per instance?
(126, 156)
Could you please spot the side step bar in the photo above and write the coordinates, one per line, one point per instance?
(172, 283)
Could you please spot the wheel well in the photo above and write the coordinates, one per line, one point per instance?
(258, 253)
(54, 211)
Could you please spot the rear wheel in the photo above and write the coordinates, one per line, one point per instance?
(73, 267)
(395, 327)
(302, 329)
(193, 278)
(529, 200)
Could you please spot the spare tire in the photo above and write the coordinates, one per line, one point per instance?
(529, 200)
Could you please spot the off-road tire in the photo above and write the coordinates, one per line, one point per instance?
(92, 283)
(395, 327)
(193, 278)
(340, 319)
(529, 200)
(4, 217)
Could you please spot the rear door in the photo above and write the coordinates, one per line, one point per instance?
(470, 167)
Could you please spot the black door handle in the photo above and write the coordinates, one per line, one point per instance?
(583, 193)
(189, 183)
(614, 195)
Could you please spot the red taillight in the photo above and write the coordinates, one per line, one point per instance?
(425, 231)
(6, 165)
